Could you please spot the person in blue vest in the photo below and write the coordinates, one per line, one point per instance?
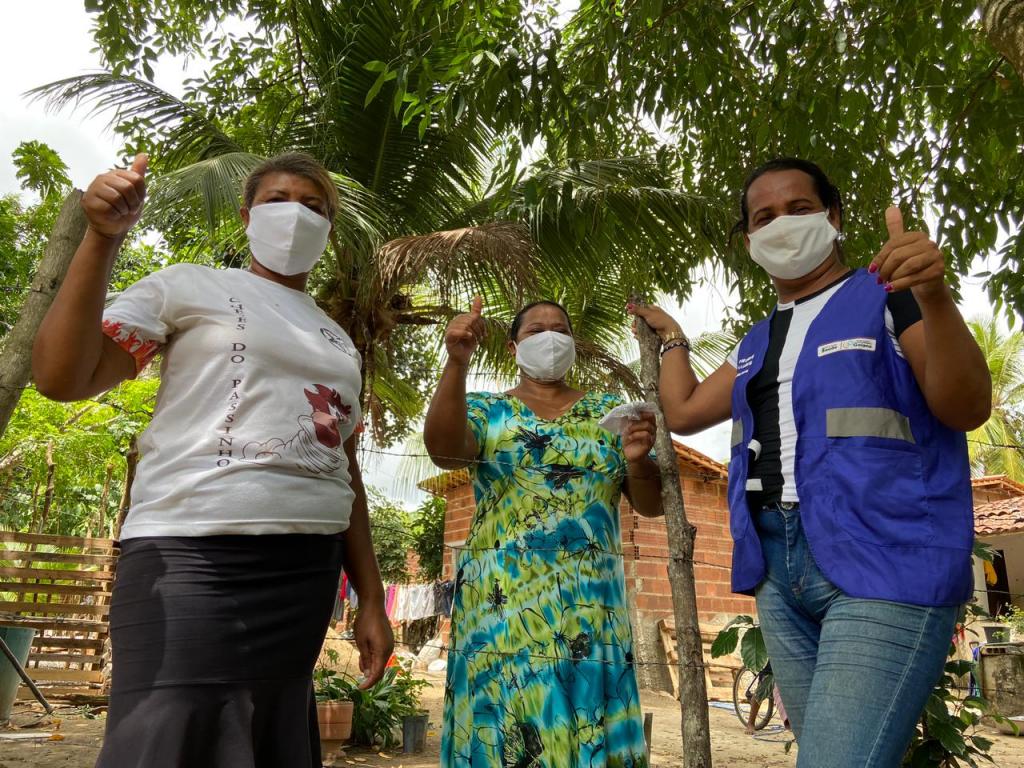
(849, 485)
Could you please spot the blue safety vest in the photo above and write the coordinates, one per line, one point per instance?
(884, 487)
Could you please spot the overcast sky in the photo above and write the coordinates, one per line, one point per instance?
(46, 40)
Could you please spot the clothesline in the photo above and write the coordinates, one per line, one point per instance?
(404, 602)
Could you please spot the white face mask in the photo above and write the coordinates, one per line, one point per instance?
(287, 238)
(546, 356)
(793, 246)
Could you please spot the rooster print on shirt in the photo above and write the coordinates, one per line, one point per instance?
(316, 447)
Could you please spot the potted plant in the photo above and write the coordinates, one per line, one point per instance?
(380, 710)
(334, 704)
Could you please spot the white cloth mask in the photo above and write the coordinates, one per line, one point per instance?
(287, 238)
(546, 356)
(793, 246)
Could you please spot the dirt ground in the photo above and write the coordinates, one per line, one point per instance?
(79, 734)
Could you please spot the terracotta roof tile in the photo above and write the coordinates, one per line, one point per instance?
(998, 517)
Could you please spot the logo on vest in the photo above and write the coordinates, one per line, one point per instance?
(847, 345)
(743, 365)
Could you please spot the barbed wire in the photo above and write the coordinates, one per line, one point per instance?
(996, 445)
(625, 663)
(549, 470)
(636, 662)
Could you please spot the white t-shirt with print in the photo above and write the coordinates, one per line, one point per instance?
(259, 391)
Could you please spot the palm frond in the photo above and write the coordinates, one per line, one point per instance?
(414, 467)
(499, 252)
(187, 131)
(624, 211)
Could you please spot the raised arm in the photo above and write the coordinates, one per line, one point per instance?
(72, 359)
(446, 432)
(690, 404)
(948, 364)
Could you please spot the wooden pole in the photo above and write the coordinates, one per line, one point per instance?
(16, 356)
(693, 694)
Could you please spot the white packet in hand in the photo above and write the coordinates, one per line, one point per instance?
(617, 418)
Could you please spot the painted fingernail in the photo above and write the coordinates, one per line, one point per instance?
(878, 279)
(873, 268)
(888, 287)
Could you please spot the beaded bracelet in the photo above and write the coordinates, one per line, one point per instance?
(683, 342)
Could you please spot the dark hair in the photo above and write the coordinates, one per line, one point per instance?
(297, 164)
(517, 321)
(827, 191)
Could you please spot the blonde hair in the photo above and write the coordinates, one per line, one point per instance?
(297, 164)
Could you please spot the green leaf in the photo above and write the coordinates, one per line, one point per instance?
(382, 78)
(752, 649)
(725, 643)
(375, 66)
(948, 735)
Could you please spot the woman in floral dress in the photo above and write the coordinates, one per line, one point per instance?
(540, 668)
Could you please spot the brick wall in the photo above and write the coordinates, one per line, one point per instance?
(645, 543)
(458, 516)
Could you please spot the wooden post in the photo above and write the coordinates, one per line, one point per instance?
(16, 357)
(693, 694)
(648, 733)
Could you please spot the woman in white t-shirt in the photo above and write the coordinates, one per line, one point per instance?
(247, 498)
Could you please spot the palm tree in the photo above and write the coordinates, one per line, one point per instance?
(997, 447)
(434, 209)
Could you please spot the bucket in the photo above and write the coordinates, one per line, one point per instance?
(19, 640)
(414, 733)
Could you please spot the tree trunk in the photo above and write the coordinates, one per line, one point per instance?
(693, 694)
(1003, 22)
(48, 495)
(16, 357)
(131, 459)
(101, 513)
(33, 507)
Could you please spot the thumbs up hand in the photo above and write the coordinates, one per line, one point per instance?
(465, 333)
(113, 202)
(909, 260)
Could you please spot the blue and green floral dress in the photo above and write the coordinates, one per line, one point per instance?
(540, 671)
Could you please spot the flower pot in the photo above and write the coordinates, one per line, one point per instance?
(334, 719)
(414, 733)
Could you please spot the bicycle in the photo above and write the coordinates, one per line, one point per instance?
(748, 686)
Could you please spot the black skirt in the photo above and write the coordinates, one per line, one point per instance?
(214, 642)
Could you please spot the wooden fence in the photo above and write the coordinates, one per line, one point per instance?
(60, 586)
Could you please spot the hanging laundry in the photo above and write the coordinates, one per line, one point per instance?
(351, 596)
(421, 602)
(444, 594)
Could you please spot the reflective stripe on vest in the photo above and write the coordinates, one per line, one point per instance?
(868, 422)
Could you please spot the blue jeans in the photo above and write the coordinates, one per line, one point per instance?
(854, 674)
